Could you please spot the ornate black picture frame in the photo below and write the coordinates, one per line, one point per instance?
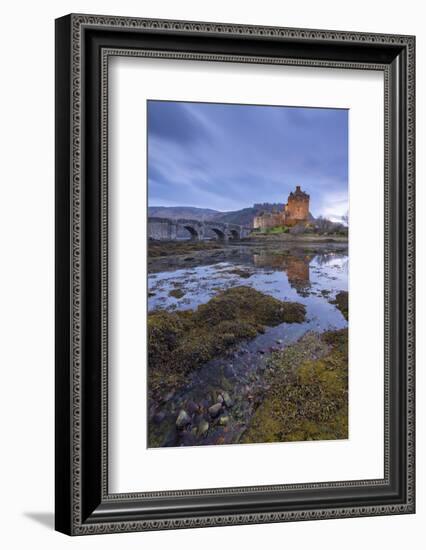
(83, 45)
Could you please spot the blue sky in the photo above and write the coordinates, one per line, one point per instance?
(227, 157)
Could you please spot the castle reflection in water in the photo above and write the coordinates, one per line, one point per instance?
(295, 265)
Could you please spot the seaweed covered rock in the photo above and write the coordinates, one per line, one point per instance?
(177, 293)
(308, 396)
(342, 303)
(245, 304)
(243, 273)
(180, 341)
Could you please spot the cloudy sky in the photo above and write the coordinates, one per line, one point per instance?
(227, 157)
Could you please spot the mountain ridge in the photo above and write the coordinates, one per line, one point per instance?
(240, 217)
(177, 212)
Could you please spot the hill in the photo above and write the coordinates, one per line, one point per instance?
(244, 216)
(179, 212)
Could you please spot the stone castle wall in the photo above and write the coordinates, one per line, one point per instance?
(296, 210)
(268, 220)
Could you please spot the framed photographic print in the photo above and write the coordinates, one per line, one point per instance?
(234, 274)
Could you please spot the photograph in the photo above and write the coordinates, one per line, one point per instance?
(247, 284)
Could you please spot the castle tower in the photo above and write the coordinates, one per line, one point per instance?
(297, 207)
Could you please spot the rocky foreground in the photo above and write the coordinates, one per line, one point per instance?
(307, 397)
(208, 388)
(181, 341)
(308, 392)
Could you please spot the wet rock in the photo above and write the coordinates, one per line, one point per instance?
(203, 427)
(215, 409)
(214, 396)
(183, 419)
(227, 399)
(177, 293)
(341, 301)
(223, 420)
(220, 398)
(241, 273)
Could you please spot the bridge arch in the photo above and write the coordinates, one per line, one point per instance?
(167, 229)
(221, 236)
(194, 235)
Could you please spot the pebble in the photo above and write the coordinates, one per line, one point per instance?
(223, 420)
(202, 428)
(183, 419)
(215, 409)
(227, 399)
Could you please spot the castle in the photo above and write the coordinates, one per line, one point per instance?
(296, 210)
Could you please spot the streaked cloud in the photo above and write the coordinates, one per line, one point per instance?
(228, 157)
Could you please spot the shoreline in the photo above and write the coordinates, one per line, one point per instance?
(166, 255)
(306, 237)
(157, 245)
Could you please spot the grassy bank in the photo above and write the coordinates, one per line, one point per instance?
(308, 395)
(180, 341)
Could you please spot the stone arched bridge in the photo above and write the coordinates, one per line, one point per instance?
(164, 229)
